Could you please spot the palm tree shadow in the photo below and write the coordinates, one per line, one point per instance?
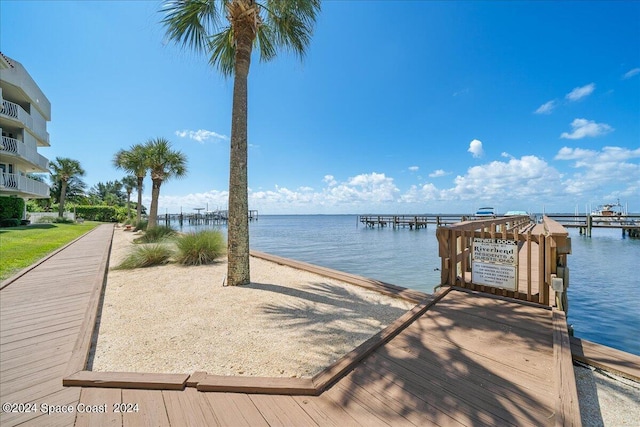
(331, 320)
(466, 361)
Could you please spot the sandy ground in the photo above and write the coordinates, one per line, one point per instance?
(286, 323)
(606, 399)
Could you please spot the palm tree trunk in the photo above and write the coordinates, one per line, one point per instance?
(238, 225)
(128, 204)
(153, 210)
(139, 207)
(63, 195)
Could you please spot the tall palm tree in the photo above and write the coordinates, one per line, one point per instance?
(134, 161)
(164, 163)
(62, 170)
(269, 25)
(129, 182)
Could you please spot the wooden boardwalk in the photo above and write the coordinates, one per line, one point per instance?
(469, 360)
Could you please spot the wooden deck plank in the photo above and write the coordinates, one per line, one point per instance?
(494, 371)
(567, 406)
(418, 410)
(33, 323)
(366, 407)
(352, 407)
(281, 410)
(189, 408)
(144, 408)
(242, 384)
(96, 407)
(493, 339)
(62, 396)
(148, 381)
(235, 409)
(606, 358)
(325, 412)
(32, 331)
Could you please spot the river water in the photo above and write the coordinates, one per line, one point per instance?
(604, 291)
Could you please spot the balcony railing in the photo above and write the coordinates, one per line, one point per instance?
(16, 112)
(19, 148)
(16, 183)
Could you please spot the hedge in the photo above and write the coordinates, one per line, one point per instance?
(11, 207)
(101, 213)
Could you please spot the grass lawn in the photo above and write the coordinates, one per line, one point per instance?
(22, 246)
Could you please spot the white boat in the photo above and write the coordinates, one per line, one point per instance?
(610, 212)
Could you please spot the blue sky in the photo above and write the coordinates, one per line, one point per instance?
(398, 107)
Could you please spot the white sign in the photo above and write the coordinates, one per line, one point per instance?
(495, 263)
(497, 275)
(495, 250)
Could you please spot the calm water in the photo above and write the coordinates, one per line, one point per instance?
(604, 292)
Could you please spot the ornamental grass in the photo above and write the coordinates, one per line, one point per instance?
(146, 256)
(199, 248)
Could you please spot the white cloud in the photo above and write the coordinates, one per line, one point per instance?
(437, 173)
(521, 178)
(414, 168)
(200, 135)
(631, 73)
(586, 128)
(547, 107)
(329, 179)
(580, 92)
(528, 182)
(598, 169)
(475, 148)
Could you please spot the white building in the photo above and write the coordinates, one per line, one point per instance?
(23, 121)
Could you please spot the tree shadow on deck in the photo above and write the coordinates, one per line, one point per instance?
(467, 361)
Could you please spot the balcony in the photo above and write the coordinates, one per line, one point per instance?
(37, 124)
(18, 148)
(12, 183)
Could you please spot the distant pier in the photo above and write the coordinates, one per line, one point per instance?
(205, 218)
(410, 221)
(629, 224)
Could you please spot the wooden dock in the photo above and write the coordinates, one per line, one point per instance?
(628, 224)
(459, 358)
(202, 218)
(413, 222)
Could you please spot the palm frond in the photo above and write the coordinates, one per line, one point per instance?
(264, 40)
(223, 51)
(291, 22)
(189, 22)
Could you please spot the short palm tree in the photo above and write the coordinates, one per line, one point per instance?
(164, 164)
(129, 182)
(62, 170)
(268, 25)
(134, 161)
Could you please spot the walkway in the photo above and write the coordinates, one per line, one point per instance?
(468, 360)
(40, 316)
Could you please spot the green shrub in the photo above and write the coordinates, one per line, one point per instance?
(146, 256)
(99, 213)
(11, 207)
(156, 234)
(200, 248)
(9, 222)
(47, 219)
(59, 220)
